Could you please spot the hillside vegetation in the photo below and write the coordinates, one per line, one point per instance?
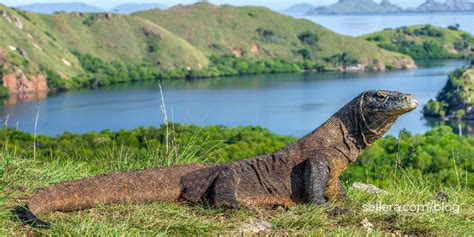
(411, 168)
(262, 33)
(456, 99)
(199, 40)
(425, 41)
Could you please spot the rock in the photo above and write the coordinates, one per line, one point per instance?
(17, 83)
(255, 226)
(368, 188)
(67, 63)
(442, 197)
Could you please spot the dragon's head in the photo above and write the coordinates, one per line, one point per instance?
(379, 109)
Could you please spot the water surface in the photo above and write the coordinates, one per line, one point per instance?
(357, 25)
(289, 104)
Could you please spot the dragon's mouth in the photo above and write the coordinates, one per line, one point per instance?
(411, 103)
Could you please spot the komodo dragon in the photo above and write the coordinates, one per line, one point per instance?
(306, 171)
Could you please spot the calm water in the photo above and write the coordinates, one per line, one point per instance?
(356, 25)
(291, 104)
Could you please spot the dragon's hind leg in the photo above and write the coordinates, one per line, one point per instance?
(223, 192)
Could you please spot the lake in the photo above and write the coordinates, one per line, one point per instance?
(289, 104)
(357, 25)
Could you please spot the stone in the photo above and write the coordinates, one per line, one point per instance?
(368, 188)
(255, 226)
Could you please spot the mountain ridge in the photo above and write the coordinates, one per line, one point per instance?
(67, 50)
(50, 8)
(385, 6)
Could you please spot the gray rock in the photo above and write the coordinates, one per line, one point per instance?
(368, 188)
(255, 226)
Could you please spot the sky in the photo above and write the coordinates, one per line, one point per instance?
(274, 4)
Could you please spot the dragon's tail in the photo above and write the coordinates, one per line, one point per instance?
(144, 186)
(24, 214)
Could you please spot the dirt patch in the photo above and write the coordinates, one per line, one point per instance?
(255, 49)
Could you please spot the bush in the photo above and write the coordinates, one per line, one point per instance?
(454, 27)
(308, 37)
(343, 59)
(463, 43)
(4, 92)
(428, 30)
(268, 35)
(376, 38)
(439, 155)
(435, 109)
(427, 50)
(56, 82)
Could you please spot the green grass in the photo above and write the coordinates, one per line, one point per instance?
(21, 174)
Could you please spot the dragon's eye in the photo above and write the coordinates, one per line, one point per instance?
(381, 96)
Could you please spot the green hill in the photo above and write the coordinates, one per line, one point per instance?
(64, 51)
(456, 99)
(425, 41)
(262, 33)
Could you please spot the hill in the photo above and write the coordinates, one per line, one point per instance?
(71, 50)
(456, 99)
(357, 7)
(50, 8)
(264, 34)
(128, 8)
(425, 41)
(299, 9)
(447, 6)
(37, 46)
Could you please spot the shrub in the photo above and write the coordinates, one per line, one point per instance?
(306, 54)
(3, 92)
(268, 35)
(308, 37)
(343, 59)
(428, 30)
(454, 27)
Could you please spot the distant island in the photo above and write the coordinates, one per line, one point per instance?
(297, 9)
(68, 7)
(129, 8)
(50, 8)
(371, 7)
